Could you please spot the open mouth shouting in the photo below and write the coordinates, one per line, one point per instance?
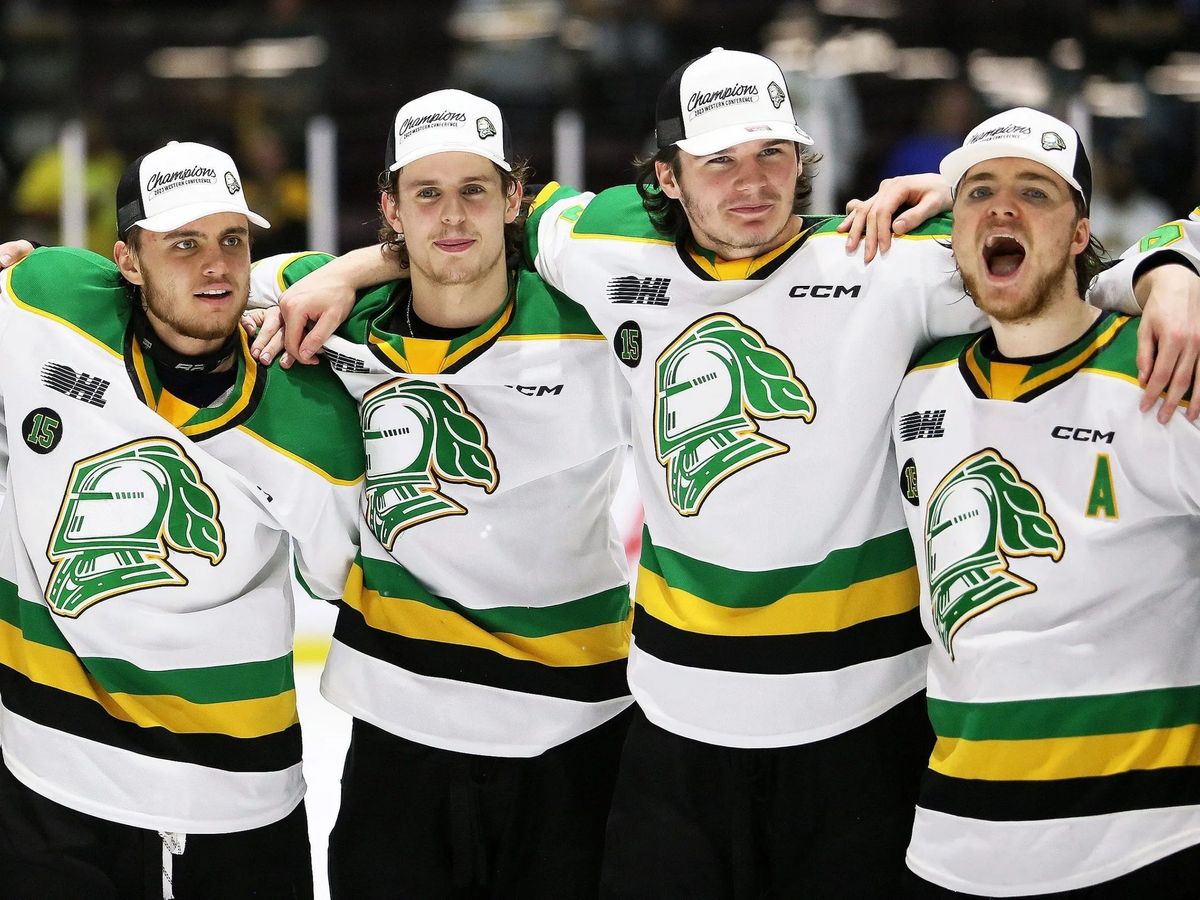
(1003, 255)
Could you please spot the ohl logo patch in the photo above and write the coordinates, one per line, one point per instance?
(712, 384)
(981, 514)
(416, 433)
(122, 513)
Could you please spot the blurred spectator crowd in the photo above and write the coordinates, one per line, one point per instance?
(884, 86)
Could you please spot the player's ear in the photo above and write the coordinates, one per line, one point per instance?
(512, 204)
(1081, 237)
(391, 213)
(666, 179)
(126, 259)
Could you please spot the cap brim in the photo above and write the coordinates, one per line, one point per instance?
(732, 135)
(958, 162)
(447, 148)
(181, 215)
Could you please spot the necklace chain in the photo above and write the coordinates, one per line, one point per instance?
(408, 317)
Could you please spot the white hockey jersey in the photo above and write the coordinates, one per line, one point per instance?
(776, 601)
(1056, 530)
(489, 610)
(145, 603)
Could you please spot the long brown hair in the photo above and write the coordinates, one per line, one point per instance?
(668, 215)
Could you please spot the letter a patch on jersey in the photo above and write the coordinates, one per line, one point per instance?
(415, 433)
(122, 513)
(981, 514)
(712, 384)
(1102, 498)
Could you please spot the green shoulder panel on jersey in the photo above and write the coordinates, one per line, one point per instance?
(300, 265)
(943, 352)
(618, 214)
(1119, 357)
(543, 311)
(933, 227)
(306, 412)
(78, 288)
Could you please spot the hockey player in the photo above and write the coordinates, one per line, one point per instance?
(157, 479)
(481, 646)
(777, 655)
(1055, 529)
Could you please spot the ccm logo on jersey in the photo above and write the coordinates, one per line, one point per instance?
(825, 291)
(648, 291)
(926, 423)
(536, 390)
(1087, 435)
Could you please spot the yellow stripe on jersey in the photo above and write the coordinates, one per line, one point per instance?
(62, 670)
(808, 613)
(1071, 757)
(413, 619)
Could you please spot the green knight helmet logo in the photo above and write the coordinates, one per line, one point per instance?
(981, 514)
(711, 384)
(122, 510)
(416, 433)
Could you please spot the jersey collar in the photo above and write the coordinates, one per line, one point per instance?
(198, 423)
(706, 265)
(426, 356)
(992, 376)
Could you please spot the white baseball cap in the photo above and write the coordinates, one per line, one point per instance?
(1027, 134)
(724, 98)
(177, 184)
(448, 120)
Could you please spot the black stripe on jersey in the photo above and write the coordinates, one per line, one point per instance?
(475, 665)
(785, 654)
(87, 719)
(1009, 801)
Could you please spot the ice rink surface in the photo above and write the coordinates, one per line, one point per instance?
(326, 735)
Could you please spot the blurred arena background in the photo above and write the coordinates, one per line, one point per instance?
(302, 94)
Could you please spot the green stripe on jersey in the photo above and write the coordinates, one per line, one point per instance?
(878, 557)
(93, 301)
(34, 621)
(1060, 717)
(210, 684)
(604, 608)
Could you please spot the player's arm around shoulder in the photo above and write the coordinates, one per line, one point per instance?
(1161, 272)
(314, 306)
(270, 280)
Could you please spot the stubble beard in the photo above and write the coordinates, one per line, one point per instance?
(1030, 305)
(731, 240)
(182, 324)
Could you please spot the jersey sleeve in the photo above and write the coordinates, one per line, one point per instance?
(1114, 288)
(552, 217)
(319, 482)
(325, 551)
(271, 276)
